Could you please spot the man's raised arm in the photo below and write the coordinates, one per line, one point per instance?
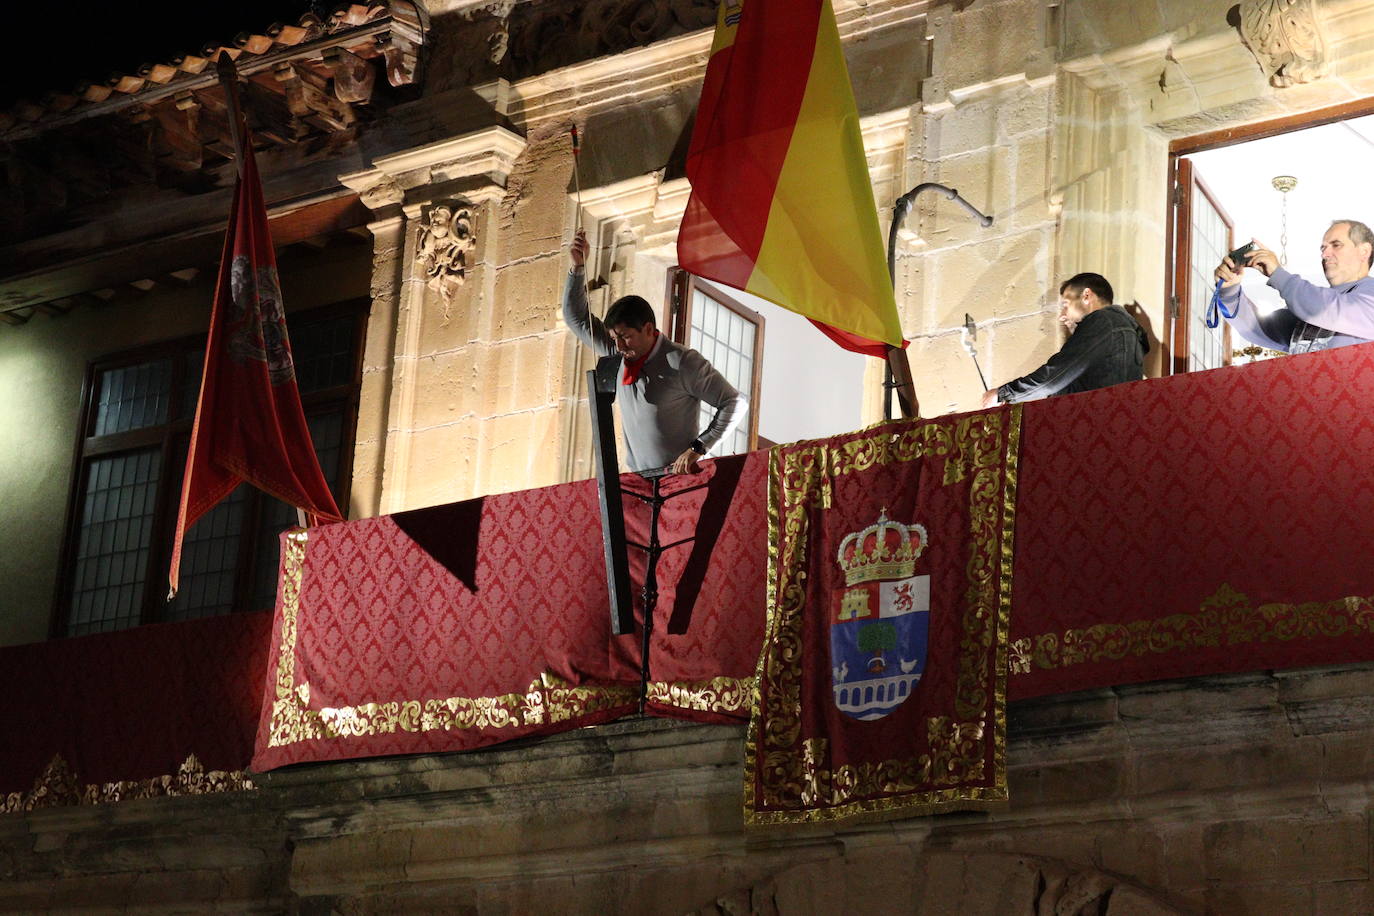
(576, 313)
(1344, 308)
(1273, 330)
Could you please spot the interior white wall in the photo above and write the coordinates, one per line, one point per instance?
(810, 388)
(1329, 162)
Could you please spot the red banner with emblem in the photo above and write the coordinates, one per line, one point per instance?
(882, 678)
(249, 425)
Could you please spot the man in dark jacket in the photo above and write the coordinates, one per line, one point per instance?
(1105, 347)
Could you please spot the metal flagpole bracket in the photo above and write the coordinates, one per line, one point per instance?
(898, 374)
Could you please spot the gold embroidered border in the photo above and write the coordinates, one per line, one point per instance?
(787, 770)
(547, 700)
(57, 786)
(719, 694)
(1227, 618)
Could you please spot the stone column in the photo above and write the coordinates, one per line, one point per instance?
(983, 129)
(379, 348)
(422, 416)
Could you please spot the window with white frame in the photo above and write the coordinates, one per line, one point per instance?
(730, 336)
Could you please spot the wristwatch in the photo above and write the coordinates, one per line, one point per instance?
(698, 447)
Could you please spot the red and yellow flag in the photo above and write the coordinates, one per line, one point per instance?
(249, 423)
(781, 202)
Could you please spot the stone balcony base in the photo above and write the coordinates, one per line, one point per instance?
(1235, 794)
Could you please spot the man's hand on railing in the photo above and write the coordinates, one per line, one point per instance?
(686, 463)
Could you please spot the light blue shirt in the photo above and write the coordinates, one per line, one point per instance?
(1316, 317)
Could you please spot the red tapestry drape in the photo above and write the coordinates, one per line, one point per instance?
(460, 626)
(130, 707)
(1207, 523)
(1172, 528)
(882, 679)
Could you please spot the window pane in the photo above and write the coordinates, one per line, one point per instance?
(119, 511)
(210, 560)
(326, 432)
(1205, 350)
(133, 397)
(112, 546)
(726, 339)
(323, 351)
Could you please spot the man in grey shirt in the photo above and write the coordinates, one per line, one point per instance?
(662, 384)
(1316, 318)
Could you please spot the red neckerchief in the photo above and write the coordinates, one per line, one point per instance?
(632, 367)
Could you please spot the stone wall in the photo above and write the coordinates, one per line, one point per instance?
(1054, 118)
(1237, 794)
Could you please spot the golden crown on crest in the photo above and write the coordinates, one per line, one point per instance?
(883, 550)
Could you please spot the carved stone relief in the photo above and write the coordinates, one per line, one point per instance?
(548, 35)
(1286, 38)
(384, 192)
(446, 237)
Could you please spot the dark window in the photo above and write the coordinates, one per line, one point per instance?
(135, 432)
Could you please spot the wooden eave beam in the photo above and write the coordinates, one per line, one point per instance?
(141, 262)
(207, 79)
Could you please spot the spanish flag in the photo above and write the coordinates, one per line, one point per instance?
(781, 202)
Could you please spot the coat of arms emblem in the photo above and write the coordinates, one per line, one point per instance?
(880, 619)
(257, 322)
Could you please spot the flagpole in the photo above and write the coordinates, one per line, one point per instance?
(577, 177)
(897, 372)
(229, 81)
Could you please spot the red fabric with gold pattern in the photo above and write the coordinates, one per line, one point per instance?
(709, 618)
(133, 705)
(460, 626)
(1195, 525)
(882, 679)
(1208, 523)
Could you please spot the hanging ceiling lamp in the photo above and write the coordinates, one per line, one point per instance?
(1283, 184)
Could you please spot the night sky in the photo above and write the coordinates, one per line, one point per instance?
(55, 46)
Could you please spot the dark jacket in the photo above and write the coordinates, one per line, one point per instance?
(1107, 348)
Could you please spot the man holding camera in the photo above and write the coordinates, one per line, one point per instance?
(1106, 346)
(1316, 318)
